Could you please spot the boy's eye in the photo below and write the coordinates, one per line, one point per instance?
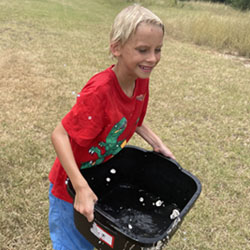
(158, 50)
(145, 50)
(141, 50)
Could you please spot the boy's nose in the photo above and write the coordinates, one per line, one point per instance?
(153, 58)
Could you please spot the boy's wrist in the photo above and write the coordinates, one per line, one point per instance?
(80, 184)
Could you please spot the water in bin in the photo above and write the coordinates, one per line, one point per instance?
(145, 216)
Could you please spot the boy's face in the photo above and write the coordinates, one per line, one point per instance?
(141, 53)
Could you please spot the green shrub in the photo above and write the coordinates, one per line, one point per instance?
(241, 4)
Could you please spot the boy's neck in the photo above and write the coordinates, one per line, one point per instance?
(127, 85)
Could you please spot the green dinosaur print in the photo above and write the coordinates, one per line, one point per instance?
(112, 145)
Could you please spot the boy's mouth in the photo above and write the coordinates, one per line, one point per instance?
(146, 68)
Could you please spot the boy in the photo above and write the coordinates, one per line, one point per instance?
(109, 109)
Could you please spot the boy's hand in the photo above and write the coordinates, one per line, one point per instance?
(84, 203)
(165, 151)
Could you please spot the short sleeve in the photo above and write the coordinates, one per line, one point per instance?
(86, 119)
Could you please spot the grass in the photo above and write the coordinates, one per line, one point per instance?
(215, 25)
(199, 106)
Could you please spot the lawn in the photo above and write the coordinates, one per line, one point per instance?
(199, 106)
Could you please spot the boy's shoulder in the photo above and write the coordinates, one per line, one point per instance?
(106, 74)
(102, 80)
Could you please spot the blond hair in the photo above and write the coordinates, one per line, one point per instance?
(128, 20)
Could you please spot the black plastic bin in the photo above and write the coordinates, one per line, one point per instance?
(142, 199)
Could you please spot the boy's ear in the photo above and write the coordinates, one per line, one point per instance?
(115, 49)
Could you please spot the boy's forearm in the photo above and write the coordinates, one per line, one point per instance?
(65, 155)
(149, 136)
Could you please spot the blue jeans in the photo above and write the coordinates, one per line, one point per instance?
(63, 233)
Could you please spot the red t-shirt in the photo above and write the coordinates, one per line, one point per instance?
(100, 124)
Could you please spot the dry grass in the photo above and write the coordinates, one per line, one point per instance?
(199, 106)
(214, 25)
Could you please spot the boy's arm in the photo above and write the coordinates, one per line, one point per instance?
(85, 197)
(151, 138)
